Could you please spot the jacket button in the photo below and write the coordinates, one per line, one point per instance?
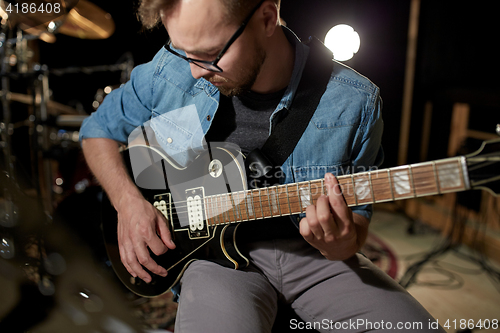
(169, 140)
(209, 117)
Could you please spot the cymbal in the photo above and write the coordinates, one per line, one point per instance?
(41, 11)
(39, 19)
(41, 33)
(53, 106)
(87, 21)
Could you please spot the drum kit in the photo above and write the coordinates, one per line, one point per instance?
(37, 136)
(48, 126)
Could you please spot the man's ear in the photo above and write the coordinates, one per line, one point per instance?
(270, 17)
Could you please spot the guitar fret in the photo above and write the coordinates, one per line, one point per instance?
(450, 175)
(310, 192)
(243, 202)
(347, 189)
(226, 210)
(410, 173)
(316, 190)
(371, 186)
(401, 183)
(293, 200)
(299, 198)
(248, 204)
(381, 187)
(288, 200)
(223, 209)
(208, 212)
(215, 214)
(218, 204)
(271, 196)
(233, 209)
(216, 208)
(435, 176)
(230, 208)
(389, 176)
(278, 199)
(424, 180)
(266, 205)
(261, 207)
(362, 189)
(237, 206)
(354, 190)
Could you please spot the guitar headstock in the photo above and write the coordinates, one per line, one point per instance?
(484, 167)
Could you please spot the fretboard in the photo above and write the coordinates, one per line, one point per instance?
(404, 182)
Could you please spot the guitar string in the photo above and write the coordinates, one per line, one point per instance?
(225, 202)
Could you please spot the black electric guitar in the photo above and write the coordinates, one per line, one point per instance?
(205, 202)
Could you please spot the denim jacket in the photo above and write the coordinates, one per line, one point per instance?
(343, 135)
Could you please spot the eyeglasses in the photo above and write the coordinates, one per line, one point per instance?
(212, 65)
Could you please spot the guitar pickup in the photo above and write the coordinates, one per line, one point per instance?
(198, 228)
(163, 203)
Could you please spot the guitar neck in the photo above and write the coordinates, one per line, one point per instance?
(404, 182)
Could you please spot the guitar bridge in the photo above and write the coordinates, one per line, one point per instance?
(198, 228)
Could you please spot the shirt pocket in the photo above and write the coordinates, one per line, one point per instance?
(174, 132)
(333, 120)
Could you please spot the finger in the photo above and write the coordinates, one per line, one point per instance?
(340, 211)
(164, 233)
(147, 233)
(137, 268)
(123, 258)
(313, 223)
(305, 231)
(325, 217)
(129, 260)
(123, 244)
(145, 260)
(156, 245)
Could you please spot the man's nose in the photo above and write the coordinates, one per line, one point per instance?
(197, 72)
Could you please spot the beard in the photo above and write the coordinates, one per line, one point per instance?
(245, 80)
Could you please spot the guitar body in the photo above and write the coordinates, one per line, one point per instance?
(172, 190)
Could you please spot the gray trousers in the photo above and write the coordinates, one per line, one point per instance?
(330, 296)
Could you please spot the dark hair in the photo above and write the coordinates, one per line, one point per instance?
(149, 10)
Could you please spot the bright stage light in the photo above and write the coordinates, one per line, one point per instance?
(343, 41)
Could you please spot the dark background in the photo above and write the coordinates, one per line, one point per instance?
(456, 58)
